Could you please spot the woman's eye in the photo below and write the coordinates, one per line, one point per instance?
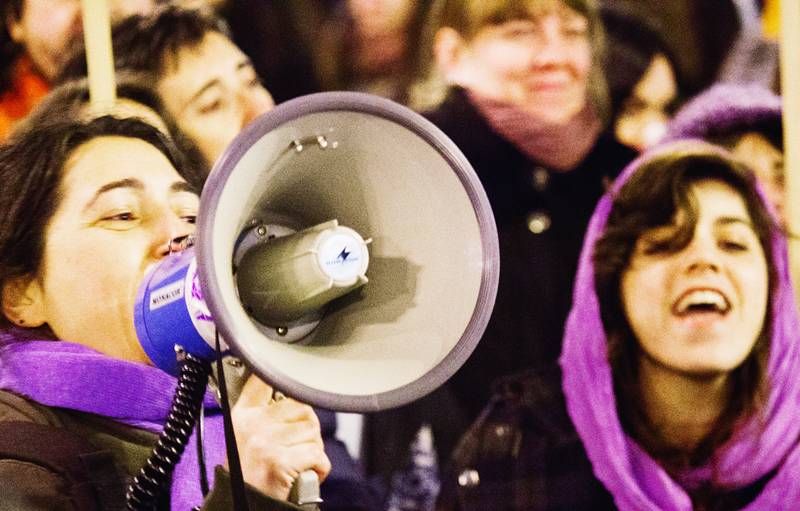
(734, 245)
(519, 33)
(654, 247)
(656, 243)
(125, 216)
(575, 32)
(517, 29)
(210, 107)
(190, 219)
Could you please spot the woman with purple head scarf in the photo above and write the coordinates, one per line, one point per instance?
(748, 121)
(679, 362)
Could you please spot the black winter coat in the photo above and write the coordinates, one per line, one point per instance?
(541, 217)
(523, 453)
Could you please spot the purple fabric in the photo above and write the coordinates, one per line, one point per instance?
(67, 375)
(725, 109)
(635, 480)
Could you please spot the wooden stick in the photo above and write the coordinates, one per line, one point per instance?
(790, 84)
(99, 56)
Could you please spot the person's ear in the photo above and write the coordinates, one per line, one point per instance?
(14, 26)
(23, 301)
(449, 51)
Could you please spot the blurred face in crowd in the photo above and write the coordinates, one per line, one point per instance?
(213, 92)
(698, 310)
(121, 202)
(645, 114)
(46, 28)
(766, 160)
(540, 64)
(379, 17)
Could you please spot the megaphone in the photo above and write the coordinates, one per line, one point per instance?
(346, 251)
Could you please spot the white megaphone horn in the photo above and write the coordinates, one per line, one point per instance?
(346, 252)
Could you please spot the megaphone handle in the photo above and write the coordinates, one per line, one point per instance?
(305, 490)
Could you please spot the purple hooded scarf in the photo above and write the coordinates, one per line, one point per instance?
(725, 109)
(67, 375)
(634, 479)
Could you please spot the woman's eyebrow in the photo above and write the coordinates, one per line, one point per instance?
(210, 84)
(244, 64)
(182, 186)
(122, 183)
(732, 220)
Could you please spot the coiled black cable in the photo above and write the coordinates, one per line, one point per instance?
(150, 486)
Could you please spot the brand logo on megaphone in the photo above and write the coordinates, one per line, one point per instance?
(344, 257)
(166, 295)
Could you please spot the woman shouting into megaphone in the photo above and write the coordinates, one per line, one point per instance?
(86, 208)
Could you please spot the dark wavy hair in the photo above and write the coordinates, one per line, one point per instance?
(31, 170)
(659, 189)
(151, 42)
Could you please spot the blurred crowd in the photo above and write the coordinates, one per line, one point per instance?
(549, 100)
(656, 55)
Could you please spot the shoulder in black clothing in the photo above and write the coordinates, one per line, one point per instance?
(523, 454)
(58, 460)
(43, 465)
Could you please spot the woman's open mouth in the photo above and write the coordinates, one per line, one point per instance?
(701, 301)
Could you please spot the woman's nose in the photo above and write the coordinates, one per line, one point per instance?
(701, 255)
(550, 48)
(250, 113)
(703, 264)
(255, 103)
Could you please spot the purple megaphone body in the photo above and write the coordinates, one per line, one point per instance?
(170, 311)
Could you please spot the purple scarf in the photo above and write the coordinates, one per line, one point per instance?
(635, 480)
(67, 375)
